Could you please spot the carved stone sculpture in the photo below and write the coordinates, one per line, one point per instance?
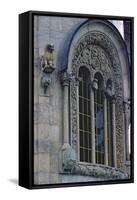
(45, 82)
(47, 66)
(47, 60)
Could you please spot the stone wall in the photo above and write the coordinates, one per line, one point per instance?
(48, 109)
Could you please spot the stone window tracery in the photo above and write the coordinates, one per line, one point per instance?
(95, 53)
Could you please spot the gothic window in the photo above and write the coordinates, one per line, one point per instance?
(96, 105)
(84, 116)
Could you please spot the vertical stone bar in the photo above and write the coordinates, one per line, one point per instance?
(105, 131)
(65, 112)
(114, 131)
(127, 116)
(77, 93)
(66, 153)
(92, 124)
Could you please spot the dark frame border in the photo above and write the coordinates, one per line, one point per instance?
(26, 105)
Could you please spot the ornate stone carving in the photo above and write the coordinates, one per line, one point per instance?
(95, 57)
(127, 117)
(96, 51)
(47, 67)
(65, 79)
(74, 112)
(67, 157)
(126, 107)
(47, 60)
(45, 82)
(73, 167)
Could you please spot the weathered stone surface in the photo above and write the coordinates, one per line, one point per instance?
(73, 167)
(42, 131)
(54, 178)
(44, 162)
(42, 145)
(54, 163)
(36, 163)
(41, 178)
(64, 178)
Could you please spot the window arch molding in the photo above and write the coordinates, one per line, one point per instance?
(103, 37)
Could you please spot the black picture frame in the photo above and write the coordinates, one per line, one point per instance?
(26, 95)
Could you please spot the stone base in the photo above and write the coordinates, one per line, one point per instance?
(128, 168)
(67, 158)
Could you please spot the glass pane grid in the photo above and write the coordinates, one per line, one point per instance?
(109, 130)
(99, 126)
(84, 117)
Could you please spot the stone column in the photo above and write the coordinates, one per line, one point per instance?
(77, 80)
(114, 131)
(127, 122)
(105, 130)
(65, 112)
(93, 87)
(67, 154)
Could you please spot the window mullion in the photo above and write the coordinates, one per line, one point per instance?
(105, 131)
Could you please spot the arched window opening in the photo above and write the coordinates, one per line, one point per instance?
(99, 120)
(84, 116)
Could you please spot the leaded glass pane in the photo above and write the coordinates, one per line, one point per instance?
(99, 121)
(84, 116)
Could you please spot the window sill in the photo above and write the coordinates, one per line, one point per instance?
(95, 170)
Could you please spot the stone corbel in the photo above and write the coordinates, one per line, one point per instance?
(45, 82)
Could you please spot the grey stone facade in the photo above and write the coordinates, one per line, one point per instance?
(55, 126)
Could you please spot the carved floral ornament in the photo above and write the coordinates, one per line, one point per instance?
(97, 52)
